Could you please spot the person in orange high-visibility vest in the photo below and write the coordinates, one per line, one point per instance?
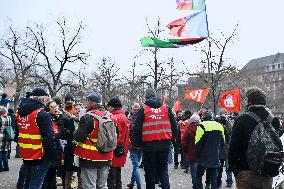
(94, 164)
(154, 130)
(35, 137)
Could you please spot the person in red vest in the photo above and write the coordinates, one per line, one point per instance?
(154, 130)
(114, 178)
(35, 137)
(94, 164)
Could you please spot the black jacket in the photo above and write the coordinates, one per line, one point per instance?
(242, 131)
(209, 137)
(227, 132)
(161, 145)
(43, 121)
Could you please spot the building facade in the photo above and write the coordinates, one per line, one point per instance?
(267, 73)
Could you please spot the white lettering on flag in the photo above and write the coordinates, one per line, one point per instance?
(196, 94)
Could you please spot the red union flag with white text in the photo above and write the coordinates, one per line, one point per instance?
(197, 95)
(230, 100)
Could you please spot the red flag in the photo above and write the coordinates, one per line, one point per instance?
(230, 100)
(197, 95)
(177, 105)
(164, 101)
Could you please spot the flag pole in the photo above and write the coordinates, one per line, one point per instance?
(206, 16)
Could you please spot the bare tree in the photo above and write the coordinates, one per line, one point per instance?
(133, 89)
(106, 78)
(170, 80)
(157, 70)
(20, 60)
(215, 67)
(59, 63)
(4, 75)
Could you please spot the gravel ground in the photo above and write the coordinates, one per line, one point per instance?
(178, 179)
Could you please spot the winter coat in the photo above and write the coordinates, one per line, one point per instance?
(43, 121)
(58, 136)
(208, 138)
(67, 134)
(157, 145)
(177, 143)
(182, 127)
(5, 121)
(5, 102)
(188, 142)
(123, 137)
(132, 119)
(224, 147)
(241, 133)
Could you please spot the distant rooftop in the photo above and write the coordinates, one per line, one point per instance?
(264, 61)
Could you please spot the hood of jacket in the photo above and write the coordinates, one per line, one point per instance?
(154, 102)
(29, 105)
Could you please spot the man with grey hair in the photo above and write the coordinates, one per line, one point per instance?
(242, 131)
(155, 127)
(5, 121)
(35, 137)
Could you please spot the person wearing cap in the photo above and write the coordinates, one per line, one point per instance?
(188, 145)
(114, 106)
(242, 130)
(154, 130)
(208, 138)
(94, 164)
(35, 137)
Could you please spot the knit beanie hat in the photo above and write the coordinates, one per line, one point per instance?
(194, 118)
(150, 92)
(68, 96)
(115, 103)
(256, 96)
(37, 92)
(95, 96)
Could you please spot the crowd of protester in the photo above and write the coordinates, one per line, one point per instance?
(57, 138)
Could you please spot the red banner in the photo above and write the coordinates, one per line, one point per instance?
(164, 101)
(197, 95)
(230, 100)
(177, 105)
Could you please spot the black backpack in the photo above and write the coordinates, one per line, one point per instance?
(265, 151)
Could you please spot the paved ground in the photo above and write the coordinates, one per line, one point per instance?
(178, 179)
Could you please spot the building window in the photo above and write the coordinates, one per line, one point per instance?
(272, 67)
(279, 66)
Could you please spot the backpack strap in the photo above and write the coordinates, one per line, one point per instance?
(254, 116)
(269, 118)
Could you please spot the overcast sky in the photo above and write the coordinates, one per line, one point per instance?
(113, 28)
